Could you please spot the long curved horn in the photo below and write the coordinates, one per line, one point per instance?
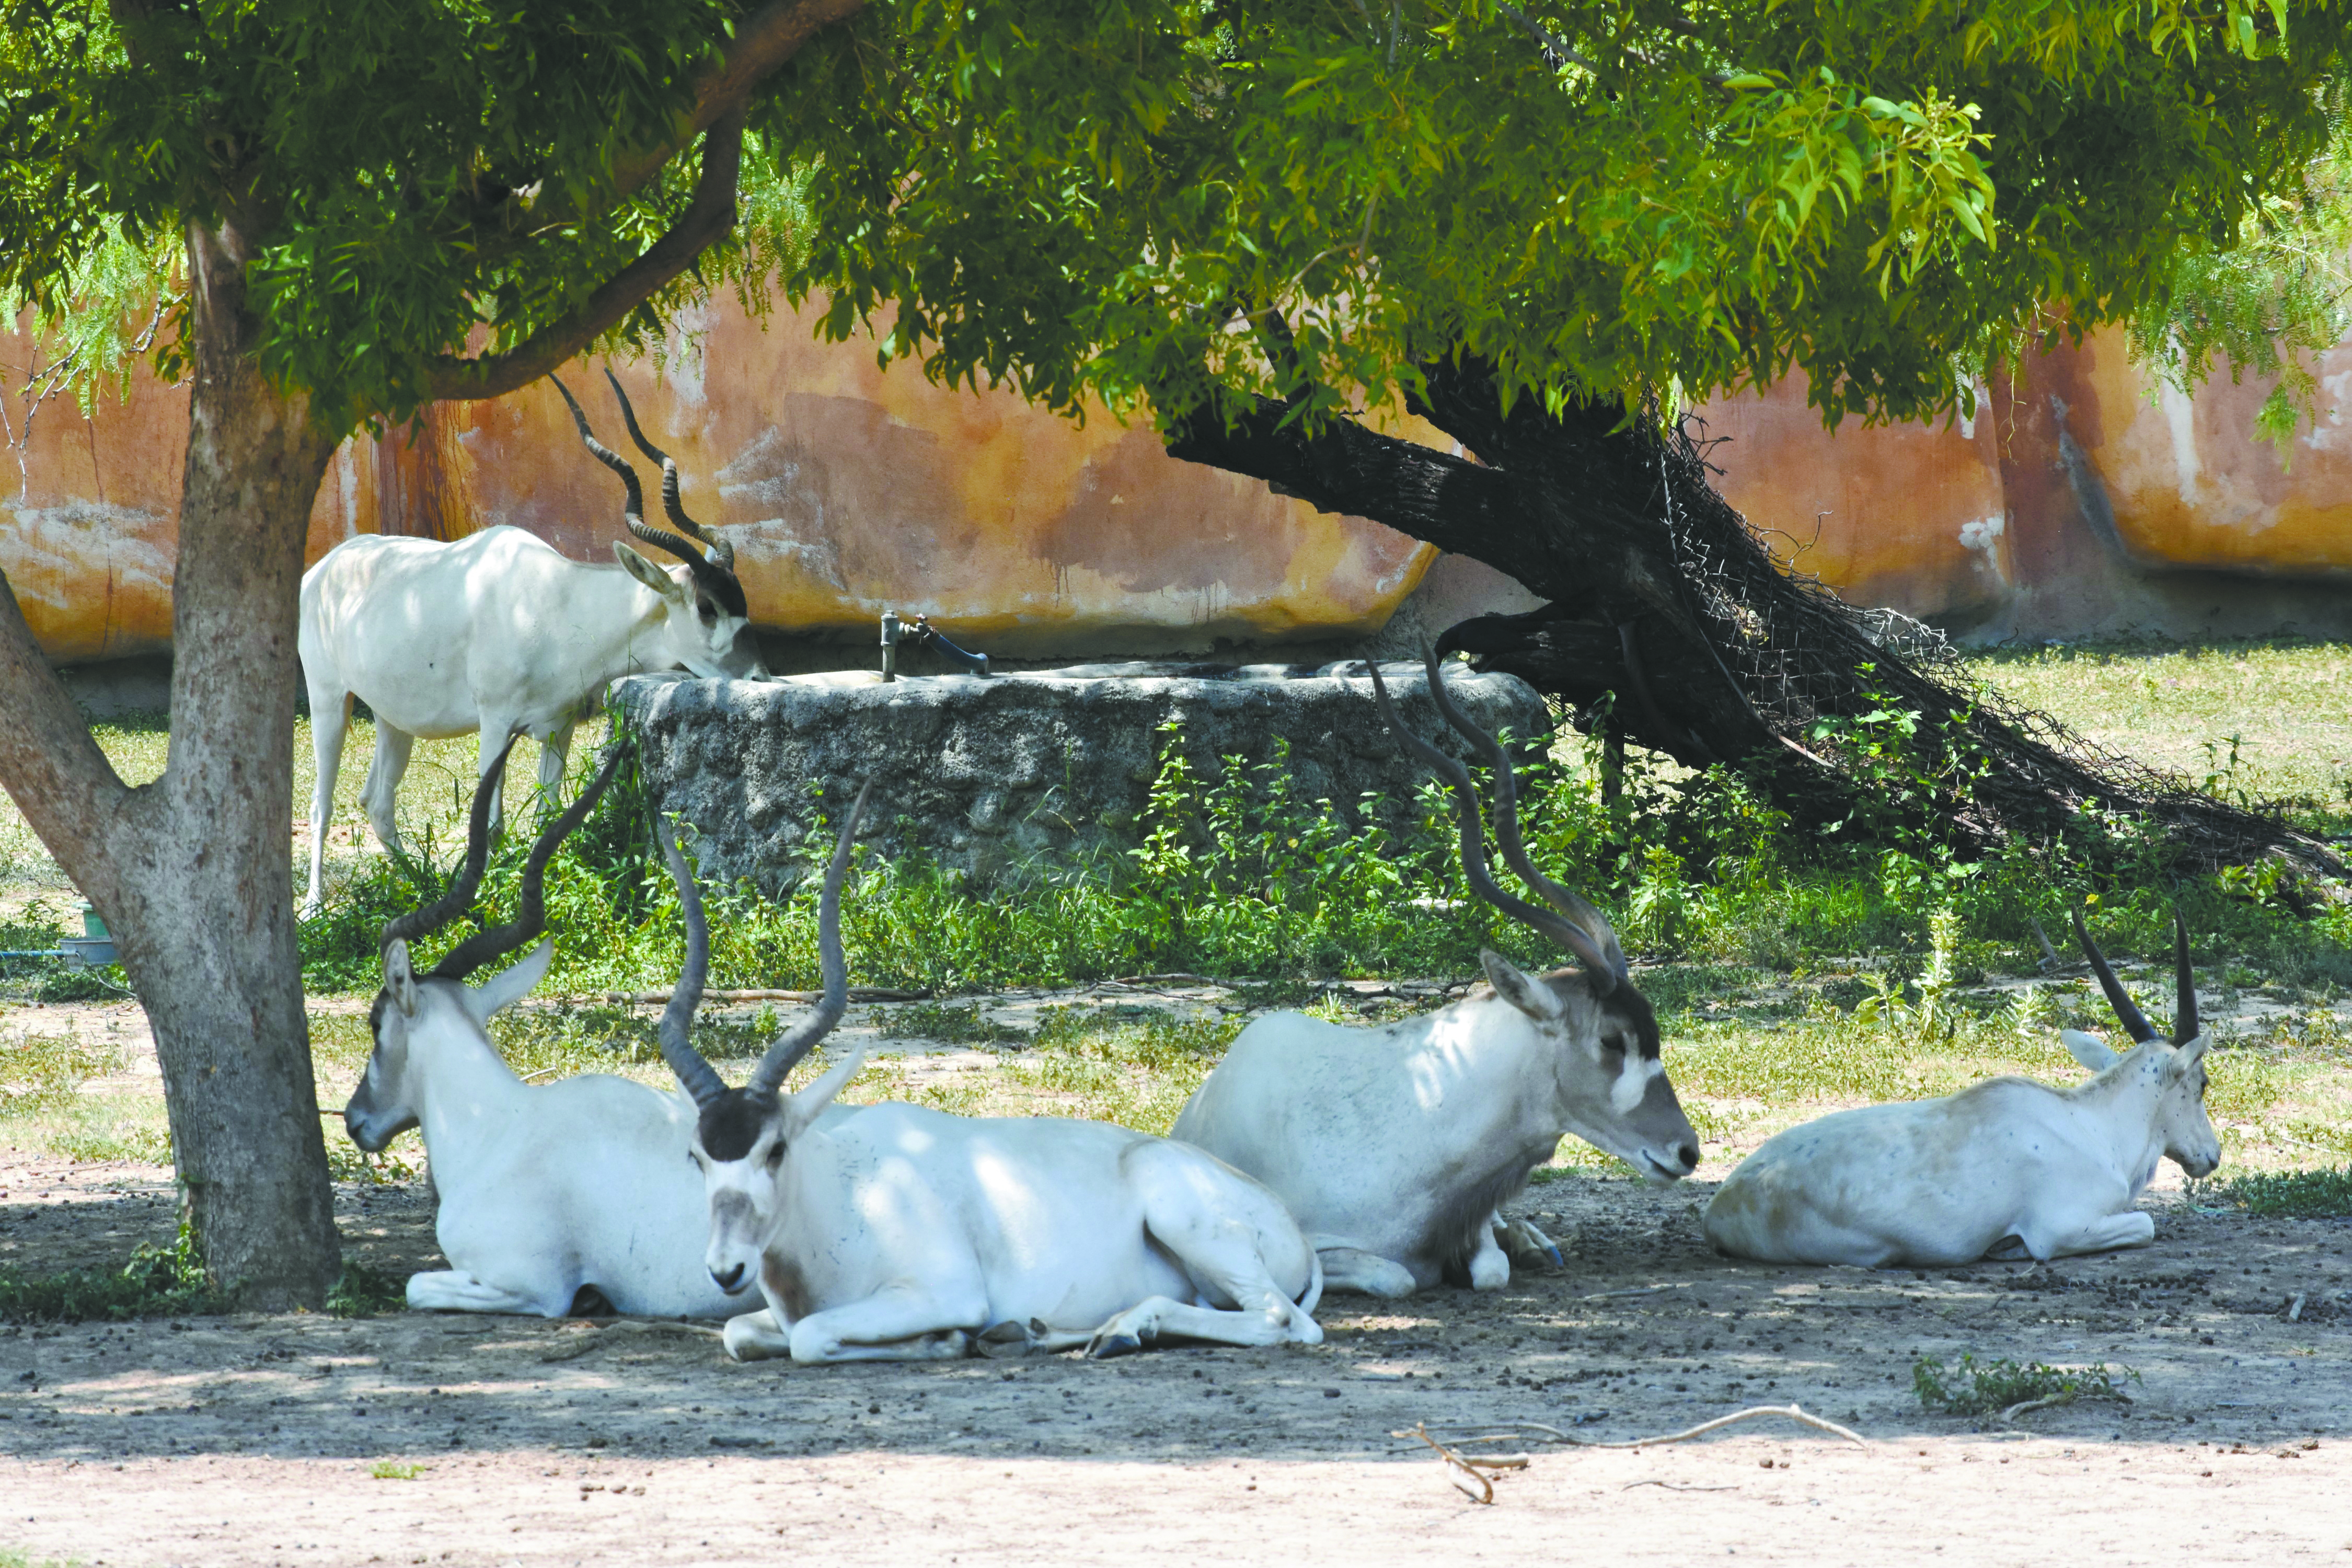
(442, 910)
(695, 1075)
(530, 909)
(632, 512)
(1567, 933)
(1506, 826)
(2134, 1021)
(802, 1038)
(2184, 1016)
(722, 553)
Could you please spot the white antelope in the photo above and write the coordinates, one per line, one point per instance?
(498, 633)
(543, 1190)
(1393, 1146)
(2006, 1168)
(905, 1233)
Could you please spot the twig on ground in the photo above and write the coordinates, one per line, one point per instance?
(1797, 1413)
(856, 993)
(1637, 1291)
(1674, 1487)
(2046, 1402)
(1459, 1464)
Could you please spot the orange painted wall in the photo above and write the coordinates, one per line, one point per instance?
(845, 488)
(2081, 500)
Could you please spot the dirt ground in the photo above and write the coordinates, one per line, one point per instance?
(256, 1440)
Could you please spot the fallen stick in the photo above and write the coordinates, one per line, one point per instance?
(856, 993)
(1797, 1413)
(1460, 1465)
(1674, 1487)
(2046, 1402)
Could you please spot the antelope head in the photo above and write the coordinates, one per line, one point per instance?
(410, 1010)
(744, 1139)
(2188, 1137)
(705, 622)
(1600, 1032)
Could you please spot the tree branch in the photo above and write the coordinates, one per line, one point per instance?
(63, 784)
(1446, 501)
(708, 218)
(763, 42)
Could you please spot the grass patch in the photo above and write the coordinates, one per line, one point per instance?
(964, 1025)
(1970, 1387)
(158, 1282)
(393, 1470)
(361, 1292)
(2292, 1194)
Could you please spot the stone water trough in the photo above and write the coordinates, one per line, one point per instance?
(987, 773)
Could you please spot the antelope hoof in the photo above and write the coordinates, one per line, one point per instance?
(2008, 1249)
(1102, 1347)
(1004, 1341)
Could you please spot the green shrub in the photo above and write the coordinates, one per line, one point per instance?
(158, 1282)
(1974, 1388)
(2297, 1194)
(361, 1292)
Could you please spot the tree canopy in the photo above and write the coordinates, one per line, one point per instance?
(441, 198)
(1161, 201)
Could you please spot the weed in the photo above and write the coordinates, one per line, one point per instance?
(361, 1292)
(40, 1072)
(158, 1282)
(1974, 1388)
(950, 1025)
(393, 1470)
(2299, 1194)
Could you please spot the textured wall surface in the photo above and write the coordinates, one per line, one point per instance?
(845, 490)
(987, 773)
(2080, 500)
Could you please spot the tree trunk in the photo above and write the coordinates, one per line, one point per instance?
(193, 873)
(1663, 598)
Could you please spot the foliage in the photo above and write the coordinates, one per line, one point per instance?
(409, 172)
(393, 1470)
(1175, 202)
(362, 1292)
(1972, 1388)
(2295, 1194)
(158, 1282)
(2269, 297)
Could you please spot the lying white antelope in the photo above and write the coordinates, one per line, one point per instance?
(1394, 1146)
(2006, 1168)
(905, 1233)
(499, 634)
(542, 1190)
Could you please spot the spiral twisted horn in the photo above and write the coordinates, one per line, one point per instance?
(1603, 973)
(530, 910)
(721, 553)
(442, 910)
(696, 1075)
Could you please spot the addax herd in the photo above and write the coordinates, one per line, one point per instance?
(1314, 1157)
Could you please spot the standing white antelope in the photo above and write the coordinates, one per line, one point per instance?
(906, 1234)
(1393, 1147)
(498, 633)
(543, 1190)
(2006, 1168)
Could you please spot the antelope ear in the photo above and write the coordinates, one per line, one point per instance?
(511, 986)
(2187, 1057)
(1529, 996)
(2088, 1049)
(802, 1109)
(399, 978)
(651, 575)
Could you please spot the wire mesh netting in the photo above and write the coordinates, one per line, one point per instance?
(1810, 665)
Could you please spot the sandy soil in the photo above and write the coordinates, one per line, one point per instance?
(252, 1440)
